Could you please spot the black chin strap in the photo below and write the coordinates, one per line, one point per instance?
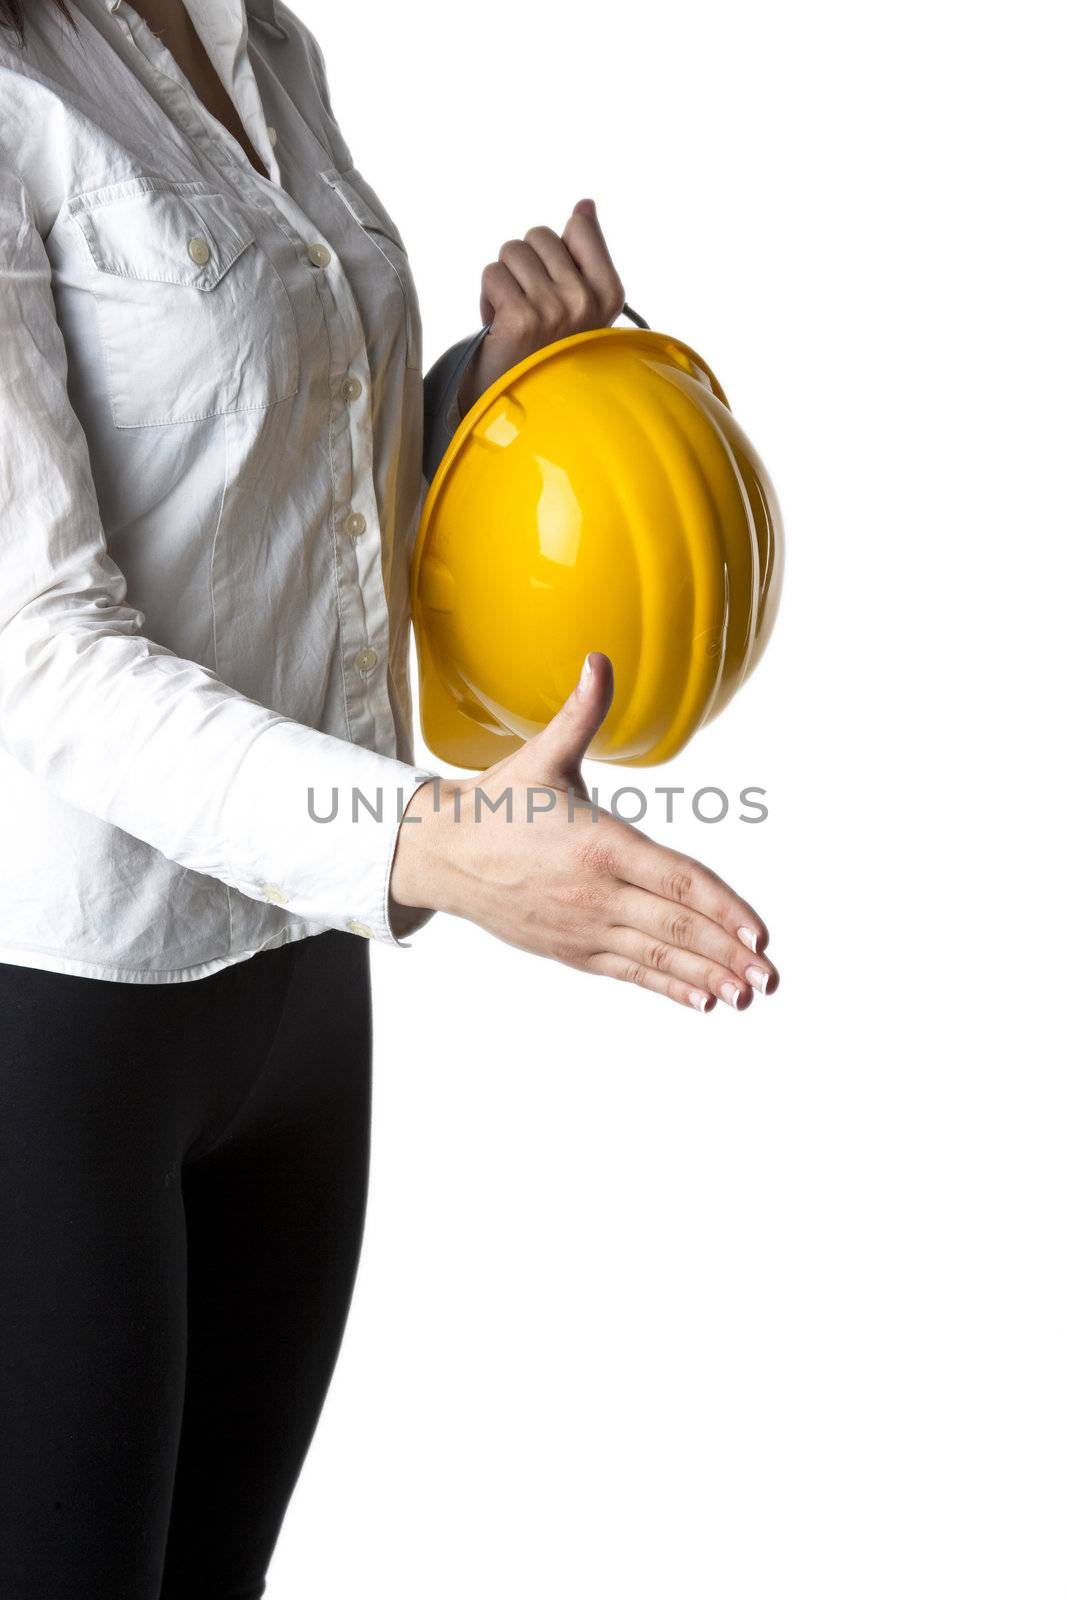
(628, 311)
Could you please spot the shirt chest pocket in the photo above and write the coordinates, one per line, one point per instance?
(363, 204)
(194, 320)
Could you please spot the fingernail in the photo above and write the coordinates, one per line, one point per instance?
(748, 936)
(758, 977)
(731, 994)
(701, 1002)
(586, 677)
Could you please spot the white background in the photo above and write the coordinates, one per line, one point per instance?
(764, 1306)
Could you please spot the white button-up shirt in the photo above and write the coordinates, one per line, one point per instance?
(210, 482)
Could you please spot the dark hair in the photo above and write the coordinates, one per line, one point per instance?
(13, 16)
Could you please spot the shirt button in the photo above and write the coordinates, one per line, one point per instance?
(272, 135)
(351, 389)
(358, 927)
(366, 658)
(200, 250)
(354, 524)
(271, 891)
(318, 255)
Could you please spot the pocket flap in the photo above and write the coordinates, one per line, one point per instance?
(178, 233)
(364, 204)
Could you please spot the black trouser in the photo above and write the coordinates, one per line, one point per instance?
(183, 1178)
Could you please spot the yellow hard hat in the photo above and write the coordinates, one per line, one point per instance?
(598, 496)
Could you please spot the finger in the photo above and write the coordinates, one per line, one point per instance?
(585, 241)
(610, 965)
(557, 259)
(676, 925)
(576, 295)
(678, 877)
(555, 754)
(695, 971)
(531, 274)
(502, 296)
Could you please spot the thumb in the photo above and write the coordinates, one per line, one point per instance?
(558, 750)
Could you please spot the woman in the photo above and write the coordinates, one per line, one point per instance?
(210, 435)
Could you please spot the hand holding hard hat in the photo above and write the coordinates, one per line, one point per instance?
(597, 494)
(541, 288)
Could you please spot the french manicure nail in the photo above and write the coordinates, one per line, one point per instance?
(731, 994)
(700, 1001)
(758, 978)
(586, 679)
(748, 936)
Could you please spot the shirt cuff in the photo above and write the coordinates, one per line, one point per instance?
(311, 823)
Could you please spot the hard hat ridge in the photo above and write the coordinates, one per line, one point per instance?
(599, 494)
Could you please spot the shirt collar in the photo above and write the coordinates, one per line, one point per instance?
(262, 10)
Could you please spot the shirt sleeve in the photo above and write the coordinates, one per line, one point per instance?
(441, 386)
(452, 416)
(122, 727)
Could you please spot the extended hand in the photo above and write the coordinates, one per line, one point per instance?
(560, 880)
(543, 287)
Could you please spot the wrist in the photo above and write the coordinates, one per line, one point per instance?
(420, 874)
